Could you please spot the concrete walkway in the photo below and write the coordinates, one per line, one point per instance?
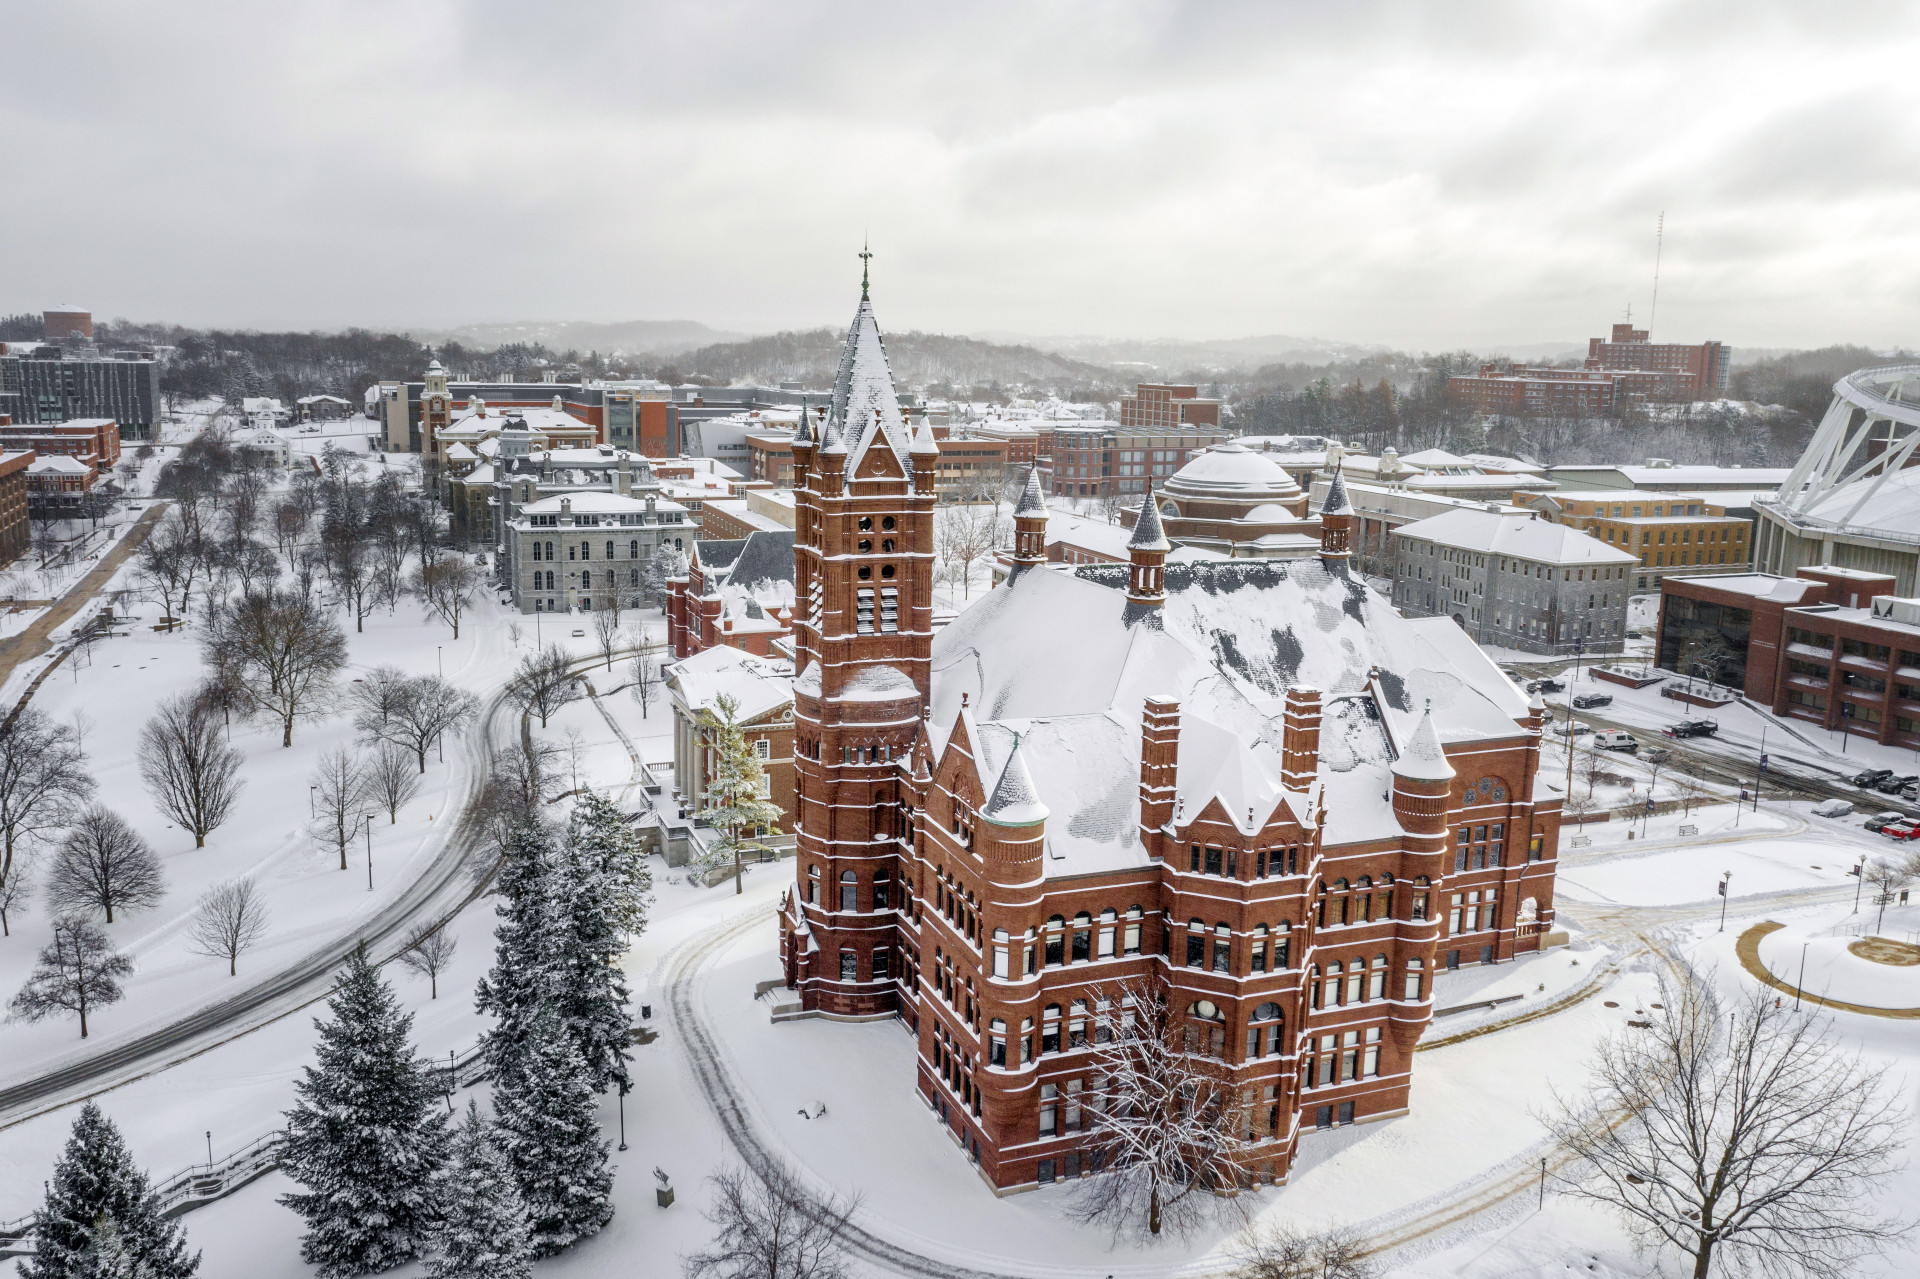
(36, 639)
(1748, 949)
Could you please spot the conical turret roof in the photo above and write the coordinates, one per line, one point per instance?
(1336, 503)
(1146, 530)
(1423, 759)
(864, 401)
(1031, 503)
(1015, 800)
(924, 444)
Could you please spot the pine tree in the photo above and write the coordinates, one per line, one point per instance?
(601, 902)
(97, 1187)
(366, 1137)
(736, 805)
(526, 945)
(483, 1224)
(549, 1127)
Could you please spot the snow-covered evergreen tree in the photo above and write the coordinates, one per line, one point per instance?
(549, 1126)
(367, 1135)
(483, 1221)
(735, 800)
(96, 1187)
(601, 900)
(526, 944)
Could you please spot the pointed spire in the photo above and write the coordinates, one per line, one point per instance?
(1031, 503)
(1146, 530)
(923, 442)
(1336, 503)
(1423, 759)
(866, 256)
(1015, 800)
(831, 440)
(802, 430)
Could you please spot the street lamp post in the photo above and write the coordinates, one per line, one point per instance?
(1803, 975)
(439, 662)
(312, 812)
(369, 852)
(623, 1113)
(1726, 877)
(1860, 878)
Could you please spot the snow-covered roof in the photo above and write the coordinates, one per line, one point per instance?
(1234, 472)
(57, 464)
(1892, 502)
(322, 399)
(589, 502)
(1424, 759)
(1760, 585)
(863, 395)
(1434, 458)
(1511, 465)
(760, 684)
(1233, 636)
(461, 453)
(1523, 536)
(1147, 535)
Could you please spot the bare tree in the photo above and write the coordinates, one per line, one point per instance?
(193, 773)
(43, 779)
(104, 864)
(429, 950)
(340, 788)
(230, 918)
(607, 634)
(1275, 1252)
(168, 561)
(646, 681)
(392, 779)
(255, 566)
(420, 710)
(964, 535)
(376, 696)
(542, 682)
(1164, 1117)
(448, 587)
(1763, 1150)
(76, 971)
(282, 650)
(1692, 787)
(770, 1225)
(14, 891)
(289, 522)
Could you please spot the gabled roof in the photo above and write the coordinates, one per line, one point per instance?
(1521, 535)
(718, 553)
(764, 556)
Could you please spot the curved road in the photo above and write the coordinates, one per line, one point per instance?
(457, 876)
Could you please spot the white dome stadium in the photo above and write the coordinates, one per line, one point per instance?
(1232, 473)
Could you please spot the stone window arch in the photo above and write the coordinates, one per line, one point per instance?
(1263, 1031)
(1056, 942)
(1050, 1029)
(813, 885)
(1206, 1029)
(849, 890)
(1415, 973)
(1082, 937)
(1377, 978)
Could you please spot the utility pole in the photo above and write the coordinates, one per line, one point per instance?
(1659, 241)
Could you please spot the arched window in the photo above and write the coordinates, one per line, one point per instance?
(882, 886)
(1050, 1029)
(1206, 1029)
(1196, 944)
(1414, 973)
(609, 548)
(1132, 946)
(1056, 942)
(1077, 1025)
(1263, 1031)
(1281, 958)
(1108, 918)
(849, 966)
(1333, 983)
(1257, 947)
(1082, 937)
(1356, 979)
(633, 549)
(1529, 911)
(1377, 978)
(1341, 899)
(996, 1042)
(1222, 948)
(849, 891)
(536, 550)
(1419, 898)
(813, 885)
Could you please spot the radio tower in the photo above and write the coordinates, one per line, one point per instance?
(1659, 235)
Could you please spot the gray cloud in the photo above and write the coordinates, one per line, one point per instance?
(1425, 175)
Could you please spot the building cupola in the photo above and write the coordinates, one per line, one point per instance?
(1030, 523)
(1147, 553)
(1336, 520)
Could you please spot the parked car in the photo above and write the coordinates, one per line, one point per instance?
(1905, 828)
(1692, 728)
(1635, 635)
(1658, 755)
(1547, 685)
(1615, 739)
(1578, 728)
(1832, 808)
(1894, 785)
(1878, 820)
(1587, 701)
(578, 633)
(1872, 777)
(1911, 793)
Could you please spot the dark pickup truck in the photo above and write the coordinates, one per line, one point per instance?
(1692, 728)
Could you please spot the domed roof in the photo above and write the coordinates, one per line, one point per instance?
(1232, 472)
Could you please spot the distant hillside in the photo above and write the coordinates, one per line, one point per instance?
(1171, 356)
(628, 337)
(935, 361)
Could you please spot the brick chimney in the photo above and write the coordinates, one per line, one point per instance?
(1300, 738)
(1159, 764)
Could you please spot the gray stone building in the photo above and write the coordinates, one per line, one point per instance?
(586, 549)
(1514, 580)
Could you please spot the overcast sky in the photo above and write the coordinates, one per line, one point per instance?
(1427, 176)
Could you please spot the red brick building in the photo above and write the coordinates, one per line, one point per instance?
(737, 593)
(15, 535)
(1076, 783)
(93, 441)
(1833, 646)
(1163, 404)
(1698, 372)
(1618, 370)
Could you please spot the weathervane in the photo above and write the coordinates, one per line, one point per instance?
(865, 254)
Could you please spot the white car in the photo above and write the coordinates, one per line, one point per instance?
(1832, 808)
(578, 633)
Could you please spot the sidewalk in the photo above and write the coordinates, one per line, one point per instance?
(37, 638)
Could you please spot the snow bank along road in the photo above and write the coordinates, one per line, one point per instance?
(455, 877)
